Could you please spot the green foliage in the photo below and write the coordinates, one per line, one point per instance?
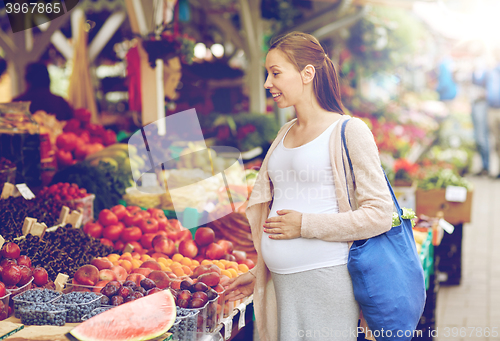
(384, 39)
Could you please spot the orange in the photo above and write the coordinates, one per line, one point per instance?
(186, 261)
(226, 273)
(178, 272)
(243, 267)
(232, 265)
(169, 262)
(175, 265)
(206, 262)
(167, 268)
(233, 272)
(126, 264)
(219, 264)
(177, 257)
(186, 270)
(163, 267)
(163, 260)
(113, 257)
(192, 267)
(195, 262)
(145, 257)
(136, 263)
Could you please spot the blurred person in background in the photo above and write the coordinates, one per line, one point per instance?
(479, 114)
(490, 80)
(446, 88)
(3, 66)
(38, 93)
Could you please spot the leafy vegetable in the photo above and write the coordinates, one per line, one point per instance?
(408, 213)
(443, 178)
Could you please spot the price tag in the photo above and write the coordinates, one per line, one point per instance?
(149, 180)
(241, 322)
(28, 223)
(60, 281)
(38, 229)
(128, 248)
(25, 191)
(228, 328)
(2, 240)
(75, 218)
(446, 226)
(7, 190)
(456, 194)
(63, 216)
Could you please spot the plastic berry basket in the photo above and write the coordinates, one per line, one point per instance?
(70, 287)
(43, 314)
(96, 311)
(201, 318)
(4, 306)
(212, 316)
(184, 327)
(221, 301)
(78, 304)
(20, 290)
(86, 204)
(32, 297)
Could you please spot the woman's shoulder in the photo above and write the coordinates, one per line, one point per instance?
(357, 126)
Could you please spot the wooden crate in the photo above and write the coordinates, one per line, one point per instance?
(432, 201)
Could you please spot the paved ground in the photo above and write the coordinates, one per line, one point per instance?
(475, 304)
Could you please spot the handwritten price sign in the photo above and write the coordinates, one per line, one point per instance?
(27, 14)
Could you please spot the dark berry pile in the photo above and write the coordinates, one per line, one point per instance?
(63, 251)
(184, 328)
(41, 314)
(33, 296)
(78, 304)
(95, 312)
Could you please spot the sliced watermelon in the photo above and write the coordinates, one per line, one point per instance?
(142, 319)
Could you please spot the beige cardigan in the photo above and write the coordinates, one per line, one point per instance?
(371, 201)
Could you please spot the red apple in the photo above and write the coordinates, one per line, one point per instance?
(24, 260)
(215, 251)
(11, 275)
(131, 234)
(148, 225)
(40, 276)
(87, 275)
(107, 217)
(227, 246)
(204, 236)
(10, 250)
(93, 229)
(188, 248)
(3, 291)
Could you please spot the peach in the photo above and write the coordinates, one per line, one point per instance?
(101, 263)
(121, 273)
(87, 275)
(142, 271)
(160, 278)
(176, 283)
(107, 275)
(162, 244)
(215, 268)
(151, 264)
(170, 274)
(211, 279)
(99, 285)
(136, 278)
(200, 270)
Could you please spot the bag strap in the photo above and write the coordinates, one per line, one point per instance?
(344, 145)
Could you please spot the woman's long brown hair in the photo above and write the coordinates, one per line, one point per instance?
(303, 49)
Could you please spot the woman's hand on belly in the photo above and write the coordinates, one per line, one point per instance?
(286, 225)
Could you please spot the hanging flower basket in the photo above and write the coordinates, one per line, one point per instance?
(169, 45)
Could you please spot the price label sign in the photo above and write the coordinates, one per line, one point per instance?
(446, 226)
(25, 191)
(241, 322)
(149, 180)
(228, 328)
(456, 194)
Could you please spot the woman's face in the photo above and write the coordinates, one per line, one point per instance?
(283, 80)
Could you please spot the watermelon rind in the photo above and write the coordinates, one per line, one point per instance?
(153, 314)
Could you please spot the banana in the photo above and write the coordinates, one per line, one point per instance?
(108, 160)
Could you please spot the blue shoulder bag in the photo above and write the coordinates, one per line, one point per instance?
(387, 276)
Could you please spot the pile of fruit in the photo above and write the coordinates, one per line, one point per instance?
(64, 191)
(116, 293)
(17, 273)
(81, 139)
(122, 225)
(13, 211)
(63, 251)
(119, 156)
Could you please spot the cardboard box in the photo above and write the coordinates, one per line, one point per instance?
(432, 201)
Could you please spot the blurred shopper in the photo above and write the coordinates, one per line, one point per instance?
(447, 88)
(38, 93)
(490, 79)
(479, 113)
(3, 66)
(299, 210)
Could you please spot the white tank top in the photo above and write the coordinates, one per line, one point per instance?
(303, 181)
